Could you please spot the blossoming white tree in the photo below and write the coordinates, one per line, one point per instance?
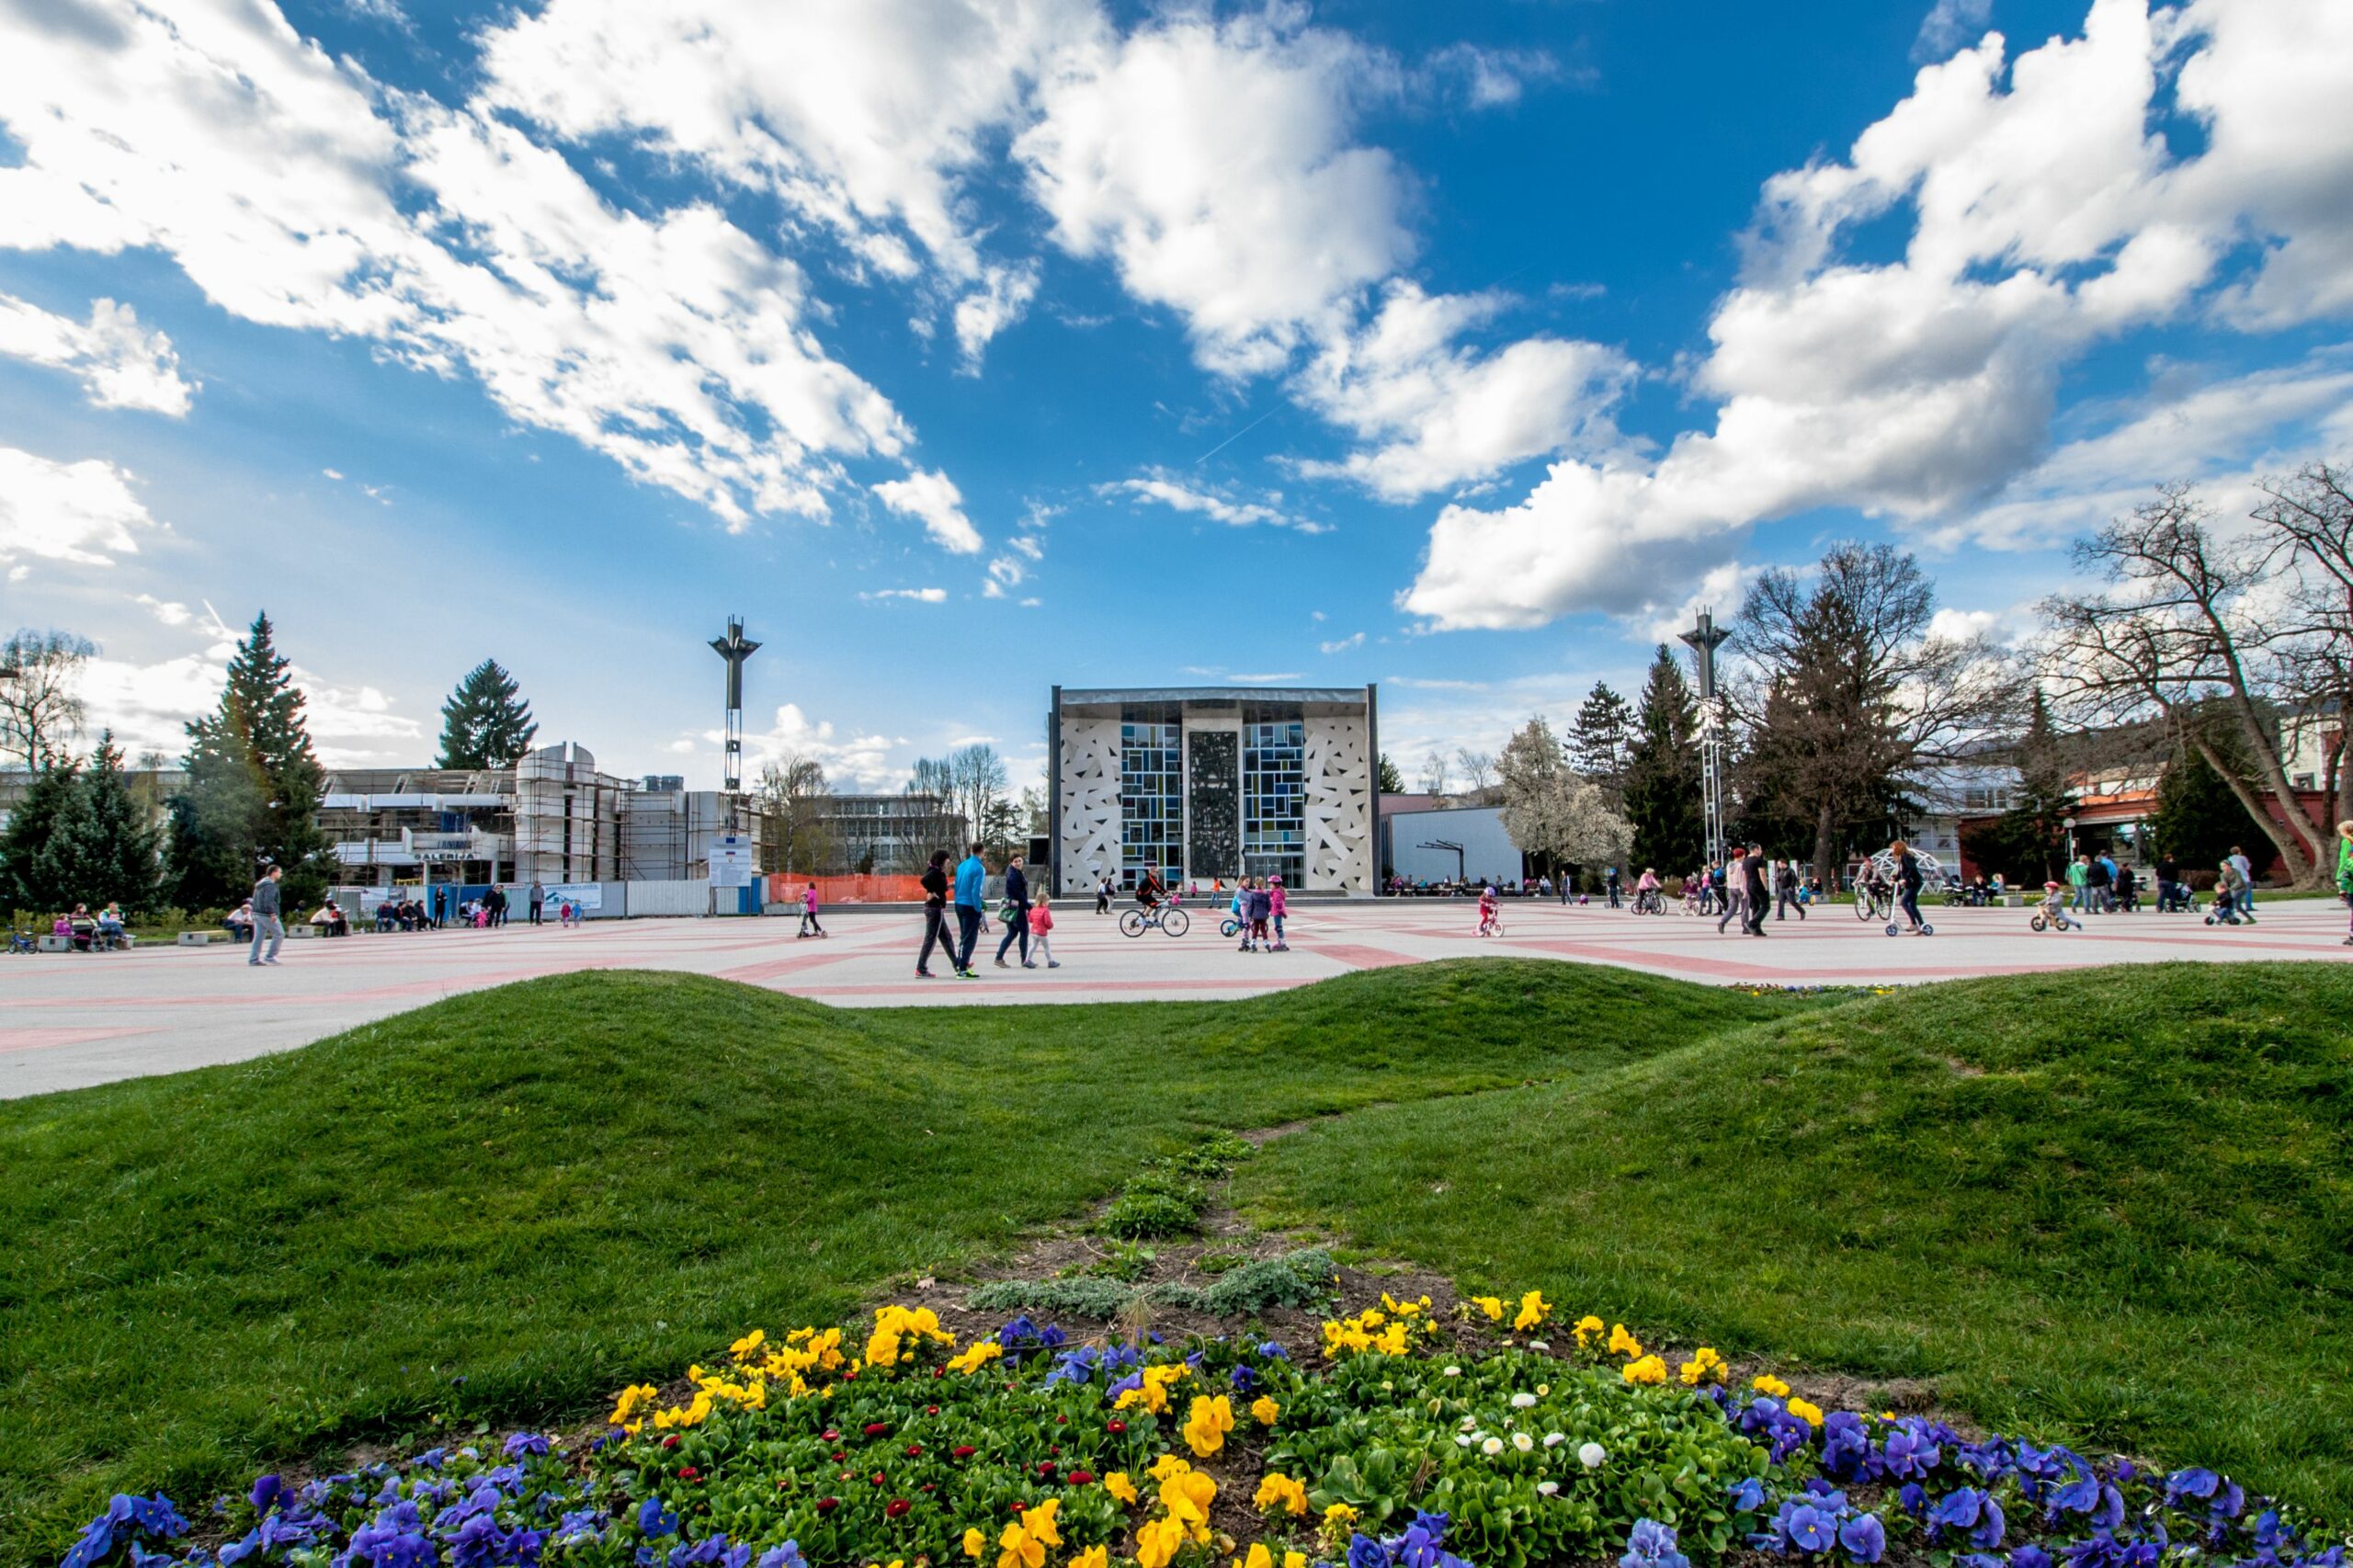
(1549, 810)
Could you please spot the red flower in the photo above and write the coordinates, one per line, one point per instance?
(1056, 1451)
(839, 1455)
(963, 1451)
(1081, 1477)
(1115, 1427)
(1021, 1508)
(913, 1450)
(939, 1371)
(1061, 1420)
(671, 1441)
(931, 1410)
(880, 1479)
(831, 1436)
(827, 1504)
(1046, 1468)
(877, 1428)
(849, 1377)
(688, 1473)
(896, 1508)
(930, 1487)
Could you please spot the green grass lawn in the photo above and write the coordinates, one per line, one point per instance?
(2111, 1206)
(550, 1189)
(2115, 1207)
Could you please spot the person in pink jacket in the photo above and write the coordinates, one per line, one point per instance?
(1278, 905)
(1041, 921)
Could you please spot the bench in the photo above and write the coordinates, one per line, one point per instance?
(201, 938)
(52, 943)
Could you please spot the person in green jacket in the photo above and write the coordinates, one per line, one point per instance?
(2078, 875)
(2344, 867)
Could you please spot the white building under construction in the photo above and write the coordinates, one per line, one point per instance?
(553, 818)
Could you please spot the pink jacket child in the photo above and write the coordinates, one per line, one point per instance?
(1042, 922)
(808, 926)
(1277, 906)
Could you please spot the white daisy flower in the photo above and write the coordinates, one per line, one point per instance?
(1522, 1441)
(1547, 1488)
(1522, 1400)
(1554, 1439)
(1491, 1447)
(1590, 1454)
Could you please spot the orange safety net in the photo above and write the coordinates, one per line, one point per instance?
(784, 887)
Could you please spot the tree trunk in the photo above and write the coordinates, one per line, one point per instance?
(1826, 844)
(2303, 865)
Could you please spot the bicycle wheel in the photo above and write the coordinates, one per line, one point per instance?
(1864, 904)
(1228, 927)
(1132, 922)
(1176, 923)
(2036, 922)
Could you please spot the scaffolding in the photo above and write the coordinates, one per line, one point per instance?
(567, 818)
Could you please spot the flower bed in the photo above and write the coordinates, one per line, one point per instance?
(1399, 1449)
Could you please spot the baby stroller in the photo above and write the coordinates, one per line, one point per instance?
(2053, 916)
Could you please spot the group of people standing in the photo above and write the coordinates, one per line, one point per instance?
(1750, 887)
(1028, 923)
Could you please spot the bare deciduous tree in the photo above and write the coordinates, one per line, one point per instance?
(1434, 773)
(1478, 768)
(790, 792)
(2181, 638)
(40, 710)
(2312, 515)
(1846, 691)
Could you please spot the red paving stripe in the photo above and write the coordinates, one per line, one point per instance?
(1638, 958)
(777, 969)
(947, 992)
(1355, 955)
(16, 1039)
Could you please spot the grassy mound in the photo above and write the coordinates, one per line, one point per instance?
(2114, 1207)
(502, 1207)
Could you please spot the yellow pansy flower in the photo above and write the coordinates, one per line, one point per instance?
(1157, 1543)
(1279, 1491)
(1491, 1305)
(1206, 1427)
(1645, 1369)
(1588, 1327)
(1705, 1367)
(746, 1347)
(1258, 1557)
(1041, 1523)
(1622, 1342)
(1766, 1384)
(975, 1543)
(1266, 1410)
(1533, 1310)
(1093, 1557)
(1807, 1410)
(1019, 1549)
(1118, 1484)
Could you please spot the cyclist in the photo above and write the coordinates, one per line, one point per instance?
(1149, 888)
(1489, 908)
(1646, 891)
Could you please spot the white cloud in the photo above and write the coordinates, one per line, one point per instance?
(1265, 679)
(296, 192)
(863, 761)
(920, 596)
(1490, 78)
(2047, 217)
(1214, 166)
(79, 512)
(1168, 491)
(1342, 644)
(1948, 25)
(933, 500)
(1437, 415)
(169, 613)
(122, 365)
(148, 705)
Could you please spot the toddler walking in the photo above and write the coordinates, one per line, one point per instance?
(1276, 907)
(1042, 922)
(1262, 905)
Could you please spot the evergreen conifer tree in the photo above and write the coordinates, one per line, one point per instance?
(28, 870)
(253, 788)
(2028, 843)
(2197, 819)
(486, 722)
(123, 857)
(1662, 772)
(1600, 737)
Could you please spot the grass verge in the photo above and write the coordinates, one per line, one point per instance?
(2112, 1207)
(504, 1206)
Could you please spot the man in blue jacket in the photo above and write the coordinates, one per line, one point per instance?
(1017, 903)
(971, 877)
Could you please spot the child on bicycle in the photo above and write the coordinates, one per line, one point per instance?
(1277, 906)
(2230, 895)
(1489, 909)
(2054, 904)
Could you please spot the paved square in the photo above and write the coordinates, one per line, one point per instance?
(70, 1020)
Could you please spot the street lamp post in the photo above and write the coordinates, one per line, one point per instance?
(1704, 639)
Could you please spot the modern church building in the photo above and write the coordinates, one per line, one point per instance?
(1200, 782)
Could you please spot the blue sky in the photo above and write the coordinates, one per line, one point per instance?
(965, 348)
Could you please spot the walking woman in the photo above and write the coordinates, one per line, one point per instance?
(935, 911)
(2345, 866)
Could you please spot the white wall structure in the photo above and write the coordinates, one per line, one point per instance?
(1086, 783)
(1204, 782)
(1340, 774)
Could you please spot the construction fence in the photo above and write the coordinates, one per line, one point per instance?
(786, 888)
